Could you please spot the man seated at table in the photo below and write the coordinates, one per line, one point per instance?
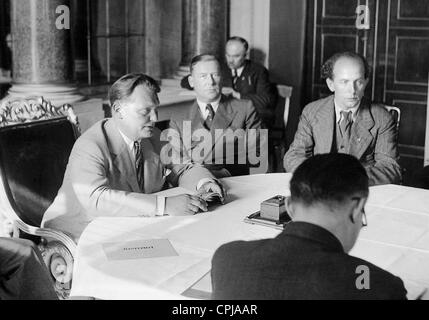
(309, 259)
(222, 133)
(345, 122)
(23, 274)
(115, 166)
(246, 79)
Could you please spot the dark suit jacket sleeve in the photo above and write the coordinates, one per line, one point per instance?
(385, 169)
(264, 99)
(185, 173)
(302, 146)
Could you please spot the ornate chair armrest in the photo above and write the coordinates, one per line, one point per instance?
(60, 236)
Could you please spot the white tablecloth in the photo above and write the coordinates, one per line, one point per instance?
(396, 239)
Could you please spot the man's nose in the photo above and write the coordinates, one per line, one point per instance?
(352, 87)
(212, 79)
(154, 115)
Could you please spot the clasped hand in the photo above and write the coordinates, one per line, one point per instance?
(187, 204)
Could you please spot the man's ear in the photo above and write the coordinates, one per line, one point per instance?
(358, 207)
(117, 108)
(289, 207)
(330, 84)
(191, 81)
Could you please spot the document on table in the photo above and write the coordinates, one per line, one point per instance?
(141, 249)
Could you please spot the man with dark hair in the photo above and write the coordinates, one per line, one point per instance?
(346, 122)
(116, 165)
(23, 275)
(246, 79)
(207, 123)
(309, 259)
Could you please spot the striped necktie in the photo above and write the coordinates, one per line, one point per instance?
(139, 164)
(210, 116)
(345, 124)
(234, 78)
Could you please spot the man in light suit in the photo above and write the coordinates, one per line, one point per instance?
(198, 131)
(115, 166)
(345, 122)
(309, 259)
(246, 79)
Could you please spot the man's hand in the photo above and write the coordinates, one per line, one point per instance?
(227, 91)
(184, 204)
(213, 186)
(236, 94)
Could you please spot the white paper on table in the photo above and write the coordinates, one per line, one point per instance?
(141, 249)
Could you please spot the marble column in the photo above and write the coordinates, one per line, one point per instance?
(204, 29)
(41, 53)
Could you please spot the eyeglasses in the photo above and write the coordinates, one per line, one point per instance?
(364, 221)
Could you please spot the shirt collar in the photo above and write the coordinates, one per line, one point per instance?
(338, 112)
(239, 71)
(202, 105)
(128, 141)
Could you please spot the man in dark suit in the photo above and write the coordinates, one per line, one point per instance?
(345, 122)
(218, 132)
(309, 259)
(246, 79)
(23, 275)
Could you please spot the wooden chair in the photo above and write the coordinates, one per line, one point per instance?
(277, 147)
(396, 113)
(36, 139)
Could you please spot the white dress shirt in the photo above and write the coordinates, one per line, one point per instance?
(239, 71)
(203, 109)
(338, 115)
(130, 146)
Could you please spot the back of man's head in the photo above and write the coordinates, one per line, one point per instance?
(328, 179)
(330, 191)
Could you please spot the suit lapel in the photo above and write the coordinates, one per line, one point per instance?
(121, 156)
(197, 121)
(361, 136)
(324, 129)
(224, 115)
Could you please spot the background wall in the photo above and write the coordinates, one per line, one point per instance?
(287, 24)
(275, 30)
(171, 36)
(250, 19)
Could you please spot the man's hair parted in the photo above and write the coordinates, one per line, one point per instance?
(125, 86)
(327, 69)
(202, 58)
(328, 179)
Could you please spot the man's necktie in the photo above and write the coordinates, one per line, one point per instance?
(346, 124)
(210, 116)
(139, 165)
(234, 78)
